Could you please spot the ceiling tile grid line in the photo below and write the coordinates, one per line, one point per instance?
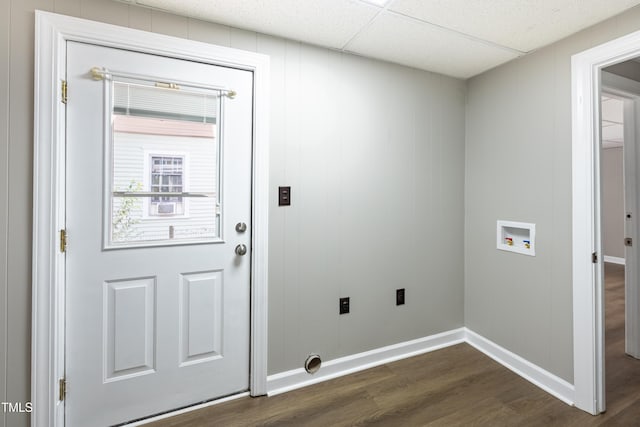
(459, 38)
(327, 23)
(525, 25)
(367, 25)
(398, 39)
(460, 33)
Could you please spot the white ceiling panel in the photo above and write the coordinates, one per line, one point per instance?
(459, 38)
(612, 110)
(409, 42)
(612, 122)
(520, 25)
(330, 23)
(613, 133)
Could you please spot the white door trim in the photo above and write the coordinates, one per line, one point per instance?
(588, 320)
(52, 33)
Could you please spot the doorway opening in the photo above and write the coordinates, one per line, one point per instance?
(619, 183)
(588, 80)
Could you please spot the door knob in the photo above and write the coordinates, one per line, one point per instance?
(241, 250)
(241, 227)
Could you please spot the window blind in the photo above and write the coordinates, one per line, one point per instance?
(150, 101)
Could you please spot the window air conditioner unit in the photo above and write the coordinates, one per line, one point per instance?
(166, 208)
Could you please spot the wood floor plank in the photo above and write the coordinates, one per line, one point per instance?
(455, 386)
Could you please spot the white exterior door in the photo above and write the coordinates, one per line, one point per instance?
(158, 175)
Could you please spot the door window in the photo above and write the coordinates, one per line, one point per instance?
(163, 172)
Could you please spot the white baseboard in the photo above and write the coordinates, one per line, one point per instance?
(298, 378)
(547, 381)
(614, 259)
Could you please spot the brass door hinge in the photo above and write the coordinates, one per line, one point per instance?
(62, 383)
(63, 240)
(64, 91)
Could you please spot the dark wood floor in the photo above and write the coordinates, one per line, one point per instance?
(455, 386)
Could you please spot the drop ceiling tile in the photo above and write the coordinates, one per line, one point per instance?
(613, 110)
(330, 23)
(409, 42)
(613, 133)
(520, 25)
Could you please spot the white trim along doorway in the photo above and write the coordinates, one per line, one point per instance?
(588, 259)
(48, 318)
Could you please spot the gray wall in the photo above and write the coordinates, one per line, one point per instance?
(374, 153)
(375, 156)
(612, 170)
(518, 150)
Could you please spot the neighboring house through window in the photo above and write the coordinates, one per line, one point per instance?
(167, 176)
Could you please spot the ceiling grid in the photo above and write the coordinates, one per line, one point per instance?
(459, 38)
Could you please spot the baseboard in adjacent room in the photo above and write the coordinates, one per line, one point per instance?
(614, 259)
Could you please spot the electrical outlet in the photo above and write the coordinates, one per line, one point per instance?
(284, 196)
(344, 305)
(400, 296)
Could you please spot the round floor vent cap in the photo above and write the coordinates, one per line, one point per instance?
(312, 364)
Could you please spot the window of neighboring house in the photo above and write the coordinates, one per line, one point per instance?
(167, 176)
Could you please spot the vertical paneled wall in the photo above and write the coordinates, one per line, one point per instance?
(518, 152)
(4, 189)
(374, 153)
(371, 151)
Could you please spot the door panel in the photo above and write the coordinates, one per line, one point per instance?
(157, 177)
(201, 317)
(129, 322)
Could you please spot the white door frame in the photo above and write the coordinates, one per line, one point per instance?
(629, 91)
(588, 296)
(52, 33)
